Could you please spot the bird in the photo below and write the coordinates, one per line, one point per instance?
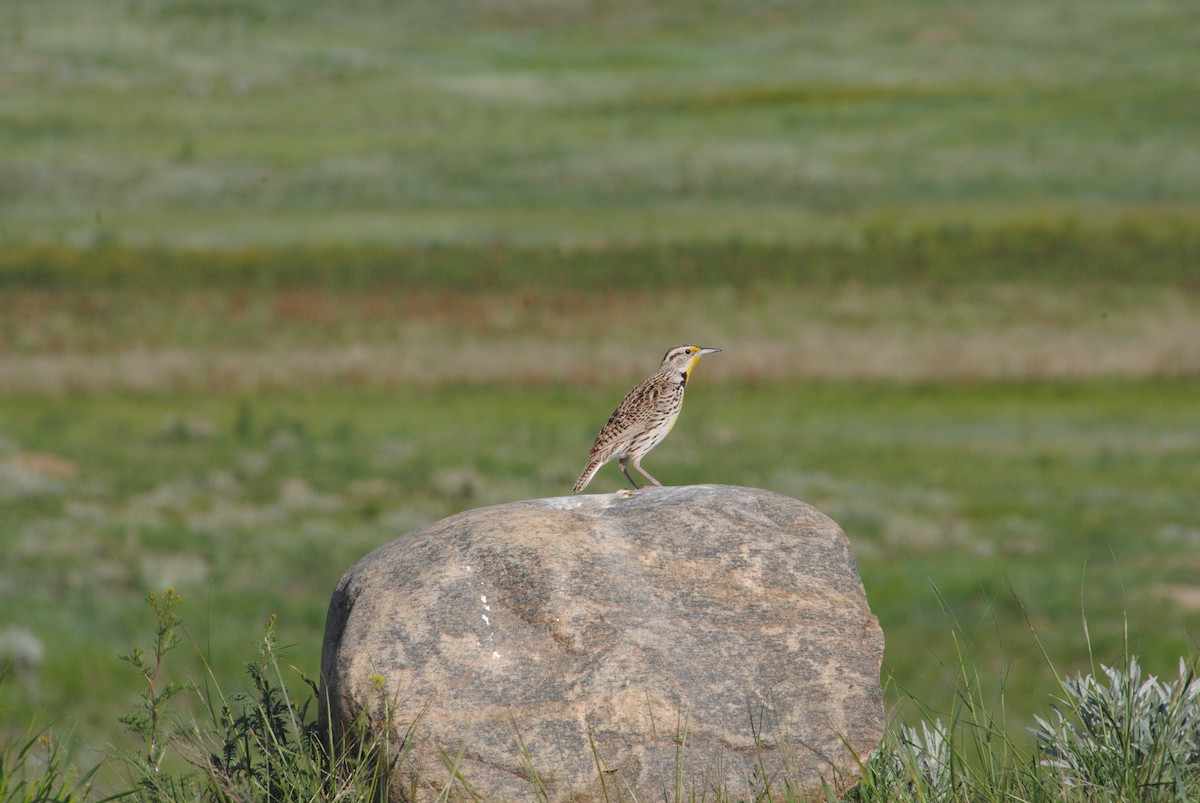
(644, 416)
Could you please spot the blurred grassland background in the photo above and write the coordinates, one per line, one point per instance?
(280, 281)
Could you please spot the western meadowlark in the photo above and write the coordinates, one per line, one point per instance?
(644, 416)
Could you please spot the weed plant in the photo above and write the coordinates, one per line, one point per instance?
(1130, 737)
(259, 743)
(35, 767)
(1113, 739)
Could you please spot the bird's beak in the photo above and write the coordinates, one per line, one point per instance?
(709, 351)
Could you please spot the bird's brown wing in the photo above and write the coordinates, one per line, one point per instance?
(627, 420)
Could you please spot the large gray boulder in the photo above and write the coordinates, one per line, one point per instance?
(713, 636)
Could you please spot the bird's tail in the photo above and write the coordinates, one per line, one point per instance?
(590, 471)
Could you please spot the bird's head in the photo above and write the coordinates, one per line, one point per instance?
(684, 358)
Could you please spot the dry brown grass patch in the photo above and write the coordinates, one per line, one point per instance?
(77, 342)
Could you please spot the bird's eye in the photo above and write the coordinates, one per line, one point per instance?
(687, 351)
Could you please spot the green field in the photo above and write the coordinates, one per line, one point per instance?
(223, 122)
(281, 281)
(1077, 499)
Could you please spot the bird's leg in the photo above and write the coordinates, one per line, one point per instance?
(624, 461)
(638, 465)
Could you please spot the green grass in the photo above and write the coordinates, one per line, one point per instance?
(1056, 252)
(198, 124)
(958, 499)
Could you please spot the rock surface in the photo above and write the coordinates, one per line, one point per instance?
(542, 634)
